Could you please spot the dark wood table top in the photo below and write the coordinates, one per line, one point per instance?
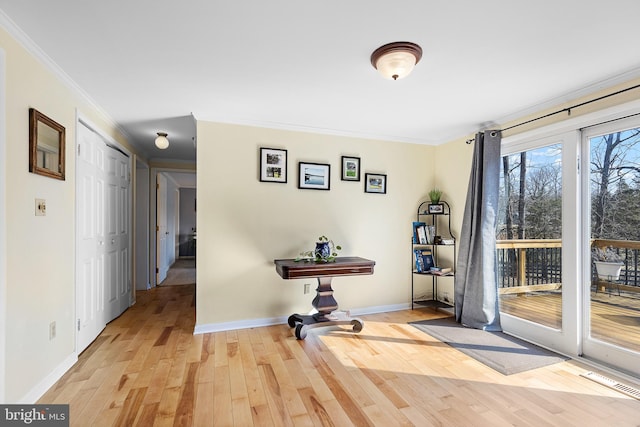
(342, 266)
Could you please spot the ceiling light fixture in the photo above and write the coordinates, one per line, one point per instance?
(396, 60)
(161, 141)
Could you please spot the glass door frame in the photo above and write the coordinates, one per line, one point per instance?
(592, 348)
(563, 339)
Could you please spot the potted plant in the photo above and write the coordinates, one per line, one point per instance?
(434, 196)
(325, 251)
(435, 207)
(608, 263)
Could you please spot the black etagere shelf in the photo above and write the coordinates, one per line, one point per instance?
(431, 236)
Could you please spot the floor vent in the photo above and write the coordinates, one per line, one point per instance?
(622, 388)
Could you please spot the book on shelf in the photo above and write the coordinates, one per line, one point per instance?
(431, 233)
(440, 271)
(419, 234)
(423, 260)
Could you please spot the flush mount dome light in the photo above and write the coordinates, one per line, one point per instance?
(396, 60)
(161, 140)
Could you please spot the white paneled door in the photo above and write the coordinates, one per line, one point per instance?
(117, 234)
(162, 253)
(102, 272)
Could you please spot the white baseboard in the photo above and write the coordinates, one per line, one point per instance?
(41, 388)
(256, 323)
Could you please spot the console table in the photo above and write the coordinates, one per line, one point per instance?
(324, 302)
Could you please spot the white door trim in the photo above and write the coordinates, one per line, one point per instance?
(3, 228)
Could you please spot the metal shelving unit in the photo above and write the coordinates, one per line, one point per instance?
(439, 218)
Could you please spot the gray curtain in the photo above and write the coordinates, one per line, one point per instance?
(476, 283)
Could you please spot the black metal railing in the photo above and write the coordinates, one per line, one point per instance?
(537, 263)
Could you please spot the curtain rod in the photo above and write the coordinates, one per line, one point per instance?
(567, 109)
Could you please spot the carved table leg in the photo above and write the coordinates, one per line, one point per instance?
(325, 303)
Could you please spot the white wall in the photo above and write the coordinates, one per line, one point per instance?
(141, 260)
(244, 224)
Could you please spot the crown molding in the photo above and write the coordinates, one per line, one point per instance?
(32, 48)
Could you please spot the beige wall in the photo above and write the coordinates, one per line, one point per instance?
(41, 250)
(244, 224)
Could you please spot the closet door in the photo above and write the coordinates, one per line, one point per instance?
(116, 233)
(103, 285)
(90, 278)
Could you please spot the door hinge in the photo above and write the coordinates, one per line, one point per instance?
(157, 228)
(157, 270)
(78, 149)
(78, 324)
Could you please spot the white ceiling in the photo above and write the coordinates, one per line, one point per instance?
(304, 65)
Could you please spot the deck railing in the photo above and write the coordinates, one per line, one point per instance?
(529, 264)
(536, 264)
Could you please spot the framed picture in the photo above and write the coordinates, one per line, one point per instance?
(314, 176)
(273, 165)
(350, 168)
(435, 208)
(375, 183)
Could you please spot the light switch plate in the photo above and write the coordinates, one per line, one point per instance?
(41, 207)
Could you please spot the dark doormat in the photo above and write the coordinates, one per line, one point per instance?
(497, 350)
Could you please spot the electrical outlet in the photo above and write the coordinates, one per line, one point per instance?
(41, 207)
(307, 287)
(52, 330)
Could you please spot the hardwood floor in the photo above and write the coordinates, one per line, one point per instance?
(147, 368)
(614, 318)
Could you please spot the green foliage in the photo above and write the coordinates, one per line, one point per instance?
(434, 195)
(313, 256)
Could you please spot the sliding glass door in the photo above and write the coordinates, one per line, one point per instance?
(611, 202)
(537, 235)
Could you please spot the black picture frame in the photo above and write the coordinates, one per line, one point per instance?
(435, 208)
(273, 165)
(350, 168)
(314, 176)
(375, 183)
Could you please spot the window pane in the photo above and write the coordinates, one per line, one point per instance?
(614, 184)
(529, 234)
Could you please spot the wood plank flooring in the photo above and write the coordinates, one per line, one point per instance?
(148, 369)
(614, 318)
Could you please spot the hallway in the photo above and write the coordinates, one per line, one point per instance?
(182, 272)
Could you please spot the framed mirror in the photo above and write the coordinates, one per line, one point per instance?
(46, 145)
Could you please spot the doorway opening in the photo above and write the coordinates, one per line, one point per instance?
(175, 225)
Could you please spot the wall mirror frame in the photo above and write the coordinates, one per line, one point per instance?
(46, 145)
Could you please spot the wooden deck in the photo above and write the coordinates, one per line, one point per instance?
(148, 369)
(615, 319)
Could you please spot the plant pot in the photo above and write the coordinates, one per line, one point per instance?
(323, 250)
(608, 270)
